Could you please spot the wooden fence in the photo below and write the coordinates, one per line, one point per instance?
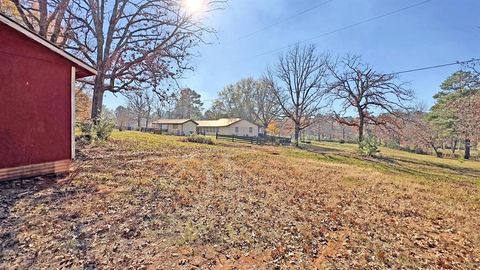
(273, 140)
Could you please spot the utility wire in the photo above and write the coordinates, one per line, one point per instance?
(420, 69)
(285, 20)
(347, 27)
(436, 66)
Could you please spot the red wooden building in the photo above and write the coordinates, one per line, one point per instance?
(37, 103)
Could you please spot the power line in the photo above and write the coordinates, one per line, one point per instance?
(436, 66)
(419, 69)
(348, 27)
(285, 20)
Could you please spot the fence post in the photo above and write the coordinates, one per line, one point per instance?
(216, 135)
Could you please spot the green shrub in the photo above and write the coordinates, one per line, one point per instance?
(92, 132)
(198, 139)
(369, 146)
(342, 141)
(104, 129)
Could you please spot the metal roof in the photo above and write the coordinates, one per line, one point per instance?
(173, 121)
(223, 122)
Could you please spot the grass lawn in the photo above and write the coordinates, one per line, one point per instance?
(153, 202)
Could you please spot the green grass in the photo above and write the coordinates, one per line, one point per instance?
(398, 162)
(149, 140)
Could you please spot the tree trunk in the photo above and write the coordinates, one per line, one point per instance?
(467, 149)
(42, 13)
(297, 133)
(454, 146)
(332, 133)
(148, 116)
(319, 135)
(361, 124)
(139, 122)
(436, 150)
(360, 130)
(97, 99)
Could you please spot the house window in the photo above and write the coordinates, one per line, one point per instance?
(236, 129)
(250, 130)
(175, 126)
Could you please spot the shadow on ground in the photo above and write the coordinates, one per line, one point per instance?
(427, 169)
(21, 208)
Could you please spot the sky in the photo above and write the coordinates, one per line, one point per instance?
(250, 35)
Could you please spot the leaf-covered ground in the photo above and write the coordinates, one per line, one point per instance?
(145, 201)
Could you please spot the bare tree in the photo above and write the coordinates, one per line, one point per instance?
(44, 17)
(138, 105)
(250, 99)
(236, 100)
(300, 78)
(133, 41)
(265, 105)
(163, 106)
(149, 104)
(122, 116)
(422, 132)
(364, 91)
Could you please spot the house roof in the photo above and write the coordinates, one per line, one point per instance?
(85, 69)
(173, 121)
(222, 122)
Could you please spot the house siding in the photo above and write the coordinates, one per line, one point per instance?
(243, 128)
(242, 125)
(184, 129)
(189, 128)
(35, 102)
(175, 129)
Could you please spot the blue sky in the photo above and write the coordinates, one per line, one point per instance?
(436, 32)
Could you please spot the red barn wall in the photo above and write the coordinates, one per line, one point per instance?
(35, 102)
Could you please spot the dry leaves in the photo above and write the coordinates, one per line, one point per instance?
(139, 204)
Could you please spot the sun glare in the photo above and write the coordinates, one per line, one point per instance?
(193, 6)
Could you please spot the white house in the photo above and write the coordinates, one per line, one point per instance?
(176, 126)
(228, 126)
